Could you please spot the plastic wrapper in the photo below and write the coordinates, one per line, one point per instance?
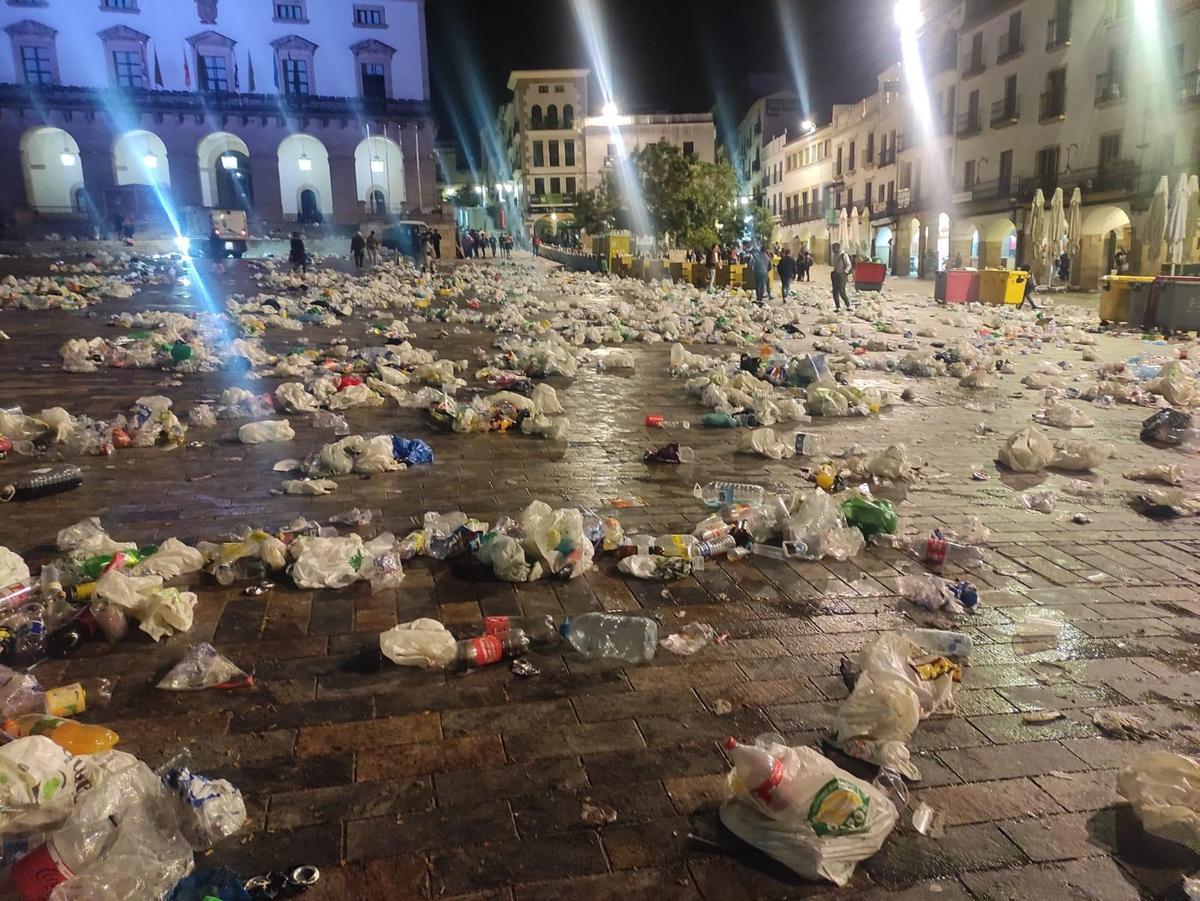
(978, 379)
(209, 809)
(1041, 501)
(411, 451)
(39, 784)
(545, 398)
(1080, 455)
(422, 642)
(12, 567)
(766, 443)
(268, 431)
(202, 416)
(327, 562)
(309, 487)
(1164, 789)
(87, 538)
(657, 567)
(1027, 451)
(292, 397)
(1164, 473)
(1177, 383)
(815, 818)
(819, 525)
(203, 666)
(506, 556)
(172, 559)
(691, 638)
(1171, 427)
(888, 702)
(893, 463)
(1063, 416)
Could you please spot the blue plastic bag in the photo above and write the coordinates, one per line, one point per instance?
(411, 450)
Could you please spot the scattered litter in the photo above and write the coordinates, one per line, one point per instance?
(690, 639)
(1164, 789)
(1037, 717)
(1116, 724)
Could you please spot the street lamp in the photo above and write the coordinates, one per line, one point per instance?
(67, 158)
(744, 200)
(808, 126)
(150, 161)
(610, 110)
(229, 161)
(304, 163)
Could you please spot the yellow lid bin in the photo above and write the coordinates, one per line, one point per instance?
(1001, 286)
(1115, 292)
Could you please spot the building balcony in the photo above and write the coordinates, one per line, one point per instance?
(886, 209)
(1005, 112)
(998, 188)
(969, 124)
(887, 156)
(1058, 33)
(1110, 88)
(1009, 46)
(556, 200)
(1189, 87)
(1052, 105)
(972, 65)
(82, 99)
(908, 199)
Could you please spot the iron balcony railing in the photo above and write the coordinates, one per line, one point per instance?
(969, 123)
(1110, 87)
(1053, 104)
(1189, 87)
(1006, 111)
(1121, 177)
(887, 156)
(1058, 32)
(972, 65)
(992, 190)
(1009, 46)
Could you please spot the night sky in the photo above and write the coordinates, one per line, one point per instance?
(666, 55)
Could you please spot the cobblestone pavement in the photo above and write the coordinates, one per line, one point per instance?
(410, 784)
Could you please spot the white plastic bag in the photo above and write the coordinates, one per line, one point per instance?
(422, 642)
(39, 782)
(203, 666)
(1027, 451)
(1164, 789)
(545, 399)
(12, 567)
(173, 558)
(1166, 473)
(309, 487)
(269, 430)
(327, 562)
(765, 443)
(1080, 455)
(292, 397)
(892, 463)
(1062, 415)
(829, 821)
(507, 559)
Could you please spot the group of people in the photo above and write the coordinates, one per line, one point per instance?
(474, 244)
(365, 248)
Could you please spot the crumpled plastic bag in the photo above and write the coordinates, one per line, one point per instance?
(1027, 451)
(978, 379)
(1176, 382)
(87, 538)
(820, 526)
(765, 443)
(209, 809)
(1062, 415)
(889, 700)
(202, 416)
(12, 567)
(556, 539)
(411, 451)
(422, 642)
(354, 396)
(309, 487)
(892, 463)
(203, 666)
(160, 611)
(173, 558)
(1164, 789)
(1165, 473)
(1080, 455)
(327, 562)
(818, 820)
(1041, 501)
(39, 784)
(270, 430)
(292, 397)
(823, 400)
(505, 555)
(657, 567)
(545, 399)
(1168, 427)
(690, 639)
(60, 423)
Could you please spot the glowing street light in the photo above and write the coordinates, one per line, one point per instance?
(67, 158)
(610, 110)
(229, 161)
(907, 14)
(377, 165)
(808, 126)
(150, 161)
(744, 200)
(304, 163)
(479, 190)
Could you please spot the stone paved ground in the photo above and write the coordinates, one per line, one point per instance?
(413, 784)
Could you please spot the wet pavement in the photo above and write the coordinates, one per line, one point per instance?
(413, 784)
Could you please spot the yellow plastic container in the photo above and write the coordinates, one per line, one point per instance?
(682, 272)
(1001, 286)
(1115, 291)
(736, 273)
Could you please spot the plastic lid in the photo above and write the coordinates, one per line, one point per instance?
(730, 743)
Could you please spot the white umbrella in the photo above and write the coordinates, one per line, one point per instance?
(1156, 222)
(843, 230)
(1035, 228)
(1056, 227)
(1075, 230)
(855, 234)
(1177, 224)
(1193, 218)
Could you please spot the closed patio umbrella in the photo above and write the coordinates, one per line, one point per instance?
(1156, 223)
(1035, 228)
(855, 234)
(843, 229)
(1075, 232)
(1056, 228)
(1193, 218)
(1177, 224)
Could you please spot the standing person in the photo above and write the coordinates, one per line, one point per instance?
(1030, 288)
(537, 245)
(1064, 267)
(373, 249)
(1121, 261)
(468, 245)
(761, 261)
(842, 266)
(808, 264)
(713, 261)
(786, 267)
(437, 243)
(495, 242)
(430, 261)
(483, 244)
(357, 245)
(297, 255)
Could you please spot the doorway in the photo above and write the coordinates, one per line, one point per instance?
(310, 210)
(235, 189)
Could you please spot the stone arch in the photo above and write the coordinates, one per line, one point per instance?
(379, 167)
(304, 166)
(52, 170)
(1106, 228)
(140, 158)
(225, 179)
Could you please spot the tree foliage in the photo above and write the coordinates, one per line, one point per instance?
(466, 196)
(762, 225)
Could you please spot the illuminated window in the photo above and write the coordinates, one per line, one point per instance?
(374, 83)
(128, 5)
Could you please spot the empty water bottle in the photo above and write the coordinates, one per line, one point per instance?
(653, 421)
(716, 494)
(539, 629)
(716, 547)
(629, 638)
(61, 478)
(941, 641)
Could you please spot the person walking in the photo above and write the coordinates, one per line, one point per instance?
(806, 269)
(537, 245)
(373, 249)
(357, 246)
(495, 242)
(430, 260)
(437, 243)
(713, 262)
(760, 260)
(842, 267)
(1121, 261)
(1030, 288)
(297, 255)
(483, 244)
(786, 267)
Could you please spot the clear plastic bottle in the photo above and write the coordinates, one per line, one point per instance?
(941, 641)
(716, 494)
(61, 478)
(472, 653)
(937, 549)
(761, 773)
(711, 528)
(658, 422)
(242, 569)
(629, 638)
(677, 546)
(716, 547)
(29, 644)
(539, 629)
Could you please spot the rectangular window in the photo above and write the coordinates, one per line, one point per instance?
(36, 63)
(539, 186)
(214, 76)
(1110, 147)
(969, 175)
(371, 16)
(374, 80)
(891, 191)
(852, 147)
(543, 89)
(611, 151)
(290, 12)
(571, 184)
(127, 65)
(905, 175)
(539, 154)
(295, 76)
(1004, 181)
(868, 193)
(555, 185)
(119, 4)
(569, 153)
(871, 147)
(559, 89)
(554, 153)
(849, 197)
(689, 148)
